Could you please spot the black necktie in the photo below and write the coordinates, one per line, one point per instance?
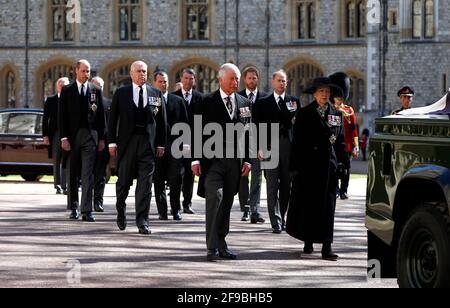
(229, 105)
(280, 102)
(141, 98)
(82, 90)
(251, 97)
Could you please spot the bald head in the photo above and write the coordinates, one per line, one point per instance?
(61, 83)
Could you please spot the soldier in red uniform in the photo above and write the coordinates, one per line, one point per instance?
(340, 97)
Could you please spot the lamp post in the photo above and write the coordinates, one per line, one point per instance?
(26, 105)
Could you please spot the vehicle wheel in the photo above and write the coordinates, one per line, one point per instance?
(31, 177)
(423, 257)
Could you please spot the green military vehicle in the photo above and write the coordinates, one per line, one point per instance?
(408, 196)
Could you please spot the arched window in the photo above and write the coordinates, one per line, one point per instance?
(355, 18)
(50, 76)
(11, 94)
(196, 20)
(423, 19)
(300, 77)
(207, 80)
(117, 77)
(357, 98)
(129, 20)
(305, 11)
(61, 29)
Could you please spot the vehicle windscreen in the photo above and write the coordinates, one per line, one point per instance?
(3, 122)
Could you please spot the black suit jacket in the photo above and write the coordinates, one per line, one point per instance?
(121, 124)
(267, 111)
(50, 120)
(214, 111)
(194, 106)
(176, 113)
(70, 112)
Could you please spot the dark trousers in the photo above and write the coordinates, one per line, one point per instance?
(279, 186)
(101, 164)
(188, 183)
(220, 186)
(81, 158)
(168, 169)
(137, 162)
(251, 197)
(345, 178)
(59, 173)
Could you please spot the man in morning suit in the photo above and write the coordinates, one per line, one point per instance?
(192, 99)
(101, 163)
(167, 167)
(219, 176)
(137, 123)
(82, 123)
(251, 196)
(278, 108)
(52, 138)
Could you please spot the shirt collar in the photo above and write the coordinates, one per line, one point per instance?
(85, 84)
(283, 96)
(224, 95)
(166, 97)
(255, 93)
(136, 87)
(184, 92)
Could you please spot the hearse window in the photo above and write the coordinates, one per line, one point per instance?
(22, 124)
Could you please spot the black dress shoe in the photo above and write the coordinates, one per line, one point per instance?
(256, 218)
(122, 223)
(177, 217)
(59, 191)
(163, 217)
(212, 255)
(344, 196)
(188, 210)
(98, 207)
(88, 217)
(227, 254)
(328, 254)
(145, 230)
(245, 217)
(308, 248)
(277, 230)
(75, 215)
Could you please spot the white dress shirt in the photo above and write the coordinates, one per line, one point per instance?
(189, 97)
(233, 102)
(79, 84)
(136, 91)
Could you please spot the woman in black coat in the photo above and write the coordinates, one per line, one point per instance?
(317, 146)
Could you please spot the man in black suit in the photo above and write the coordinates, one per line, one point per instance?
(82, 122)
(101, 163)
(167, 167)
(52, 139)
(137, 123)
(192, 99)
(219, 176)
(251, 197)
(278, 108)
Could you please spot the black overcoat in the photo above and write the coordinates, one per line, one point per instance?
(314, 163)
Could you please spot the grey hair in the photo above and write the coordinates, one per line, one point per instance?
(65, 79)
(98, 79)
(228, 67)
(133, 66)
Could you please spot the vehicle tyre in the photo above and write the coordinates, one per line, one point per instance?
(31, 177)
(423, 256)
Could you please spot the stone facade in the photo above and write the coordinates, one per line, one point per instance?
(423, 64)
(238, 31)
